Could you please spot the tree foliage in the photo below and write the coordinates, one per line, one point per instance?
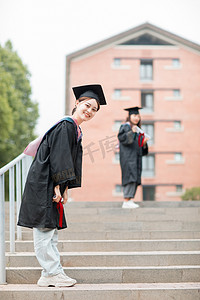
(192, 194)
(18, 113)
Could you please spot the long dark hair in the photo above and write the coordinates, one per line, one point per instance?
(128, 119)
(83, 99)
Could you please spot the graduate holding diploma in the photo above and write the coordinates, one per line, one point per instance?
(132, 145)
(57, 167)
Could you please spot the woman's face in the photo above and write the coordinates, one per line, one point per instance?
(135, 119)
(86, 109)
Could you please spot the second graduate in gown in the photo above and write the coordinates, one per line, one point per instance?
(133, 146)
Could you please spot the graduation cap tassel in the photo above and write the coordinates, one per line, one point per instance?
(141, 135)
(60, 211)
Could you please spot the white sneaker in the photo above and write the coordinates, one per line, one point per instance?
(56, 280)
(129, 204)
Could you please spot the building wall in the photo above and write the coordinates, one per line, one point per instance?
(100, 170)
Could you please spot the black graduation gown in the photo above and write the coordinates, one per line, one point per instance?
(130, 155)
(57, 161)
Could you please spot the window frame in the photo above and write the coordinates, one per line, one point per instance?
(148, 172)
(146, 66)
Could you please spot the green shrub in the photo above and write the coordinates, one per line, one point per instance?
(192, 194)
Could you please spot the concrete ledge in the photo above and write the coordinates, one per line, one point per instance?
(111, 259)
(99, 275)
(118, 235)
(142, 203)
(115, 245)
(137, 291)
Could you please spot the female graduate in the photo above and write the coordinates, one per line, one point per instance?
(132, 147)
(56, 168)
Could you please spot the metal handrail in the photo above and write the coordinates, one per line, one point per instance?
(21, 164)
(4, 169)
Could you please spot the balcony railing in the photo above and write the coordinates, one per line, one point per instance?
(18, 169)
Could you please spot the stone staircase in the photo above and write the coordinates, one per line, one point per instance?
(150, 253)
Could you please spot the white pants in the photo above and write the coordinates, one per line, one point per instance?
(45, 245)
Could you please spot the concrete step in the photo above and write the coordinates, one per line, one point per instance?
(115, 245)
(119, 211)
(68, 234)
(94, 215)
(108, 218)
(118, 204)
(140, 210)
(122, 225)
(110, 259)
(99, 275)
(136, 291)
(128, 217)
(142, 204)
(135, 226)
(117, 225)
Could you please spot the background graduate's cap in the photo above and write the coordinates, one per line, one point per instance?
(133, 110)
(93, 91)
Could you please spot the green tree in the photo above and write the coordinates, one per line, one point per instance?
(192, 194)
(18, 113)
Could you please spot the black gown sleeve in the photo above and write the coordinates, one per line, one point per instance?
(145, 150)
(61, 143)
(126, 136)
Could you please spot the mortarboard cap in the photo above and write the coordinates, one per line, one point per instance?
(94, 91)
(133, 110)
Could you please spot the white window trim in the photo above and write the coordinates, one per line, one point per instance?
(171, 129)
(115, 194)
(174, 194)
(174, 162)
(173, 98)
(121, 98)
(121, 67)
(170, 67)
(115, 129)
(147, 112)
(115, 161)
(149, 177)
(146, 80)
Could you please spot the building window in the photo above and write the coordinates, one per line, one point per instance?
(147, 102)
(176, 62)
(178, 157)
(146, 69)
(179, 188)
(148, 165)
(116, 158)
(148, 193)
(176, 96)
(117, 94)
(118, 189)
(117, 62)
(116, 125)
(177, 125)
(176, 93)
(149, 129)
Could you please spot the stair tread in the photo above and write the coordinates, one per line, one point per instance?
(109, 253)
(105, 286)
(115, 268)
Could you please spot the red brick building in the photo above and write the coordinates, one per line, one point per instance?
(153, 68)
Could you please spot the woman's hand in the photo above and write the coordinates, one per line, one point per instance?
(57, 196)
(65, 195)
(145, 141)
